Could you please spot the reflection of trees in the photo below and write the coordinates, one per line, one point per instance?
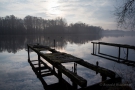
(36, 25)
(13, 43)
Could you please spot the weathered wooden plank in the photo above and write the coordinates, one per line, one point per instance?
(99, 69)
(46, 74)
(61, 57)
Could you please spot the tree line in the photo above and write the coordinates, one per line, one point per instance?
(37, 25)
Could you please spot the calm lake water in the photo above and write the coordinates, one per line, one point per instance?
(16, 73)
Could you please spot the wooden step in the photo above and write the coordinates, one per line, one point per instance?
(46, 74)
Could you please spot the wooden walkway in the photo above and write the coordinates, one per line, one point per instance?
(56, 59)
(126, 61)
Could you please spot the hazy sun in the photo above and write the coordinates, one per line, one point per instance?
(53, 7)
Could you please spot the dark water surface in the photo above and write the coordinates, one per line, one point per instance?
(16, 73)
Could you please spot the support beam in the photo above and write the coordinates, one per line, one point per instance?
(93, 48)
(127, 54)
(98, 48)
(28, 53)
(60, 76)
(39, 64)
(119, 54)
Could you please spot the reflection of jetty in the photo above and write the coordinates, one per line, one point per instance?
(56, 59)
(114, 58)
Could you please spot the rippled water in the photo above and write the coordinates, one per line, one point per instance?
(16, 73)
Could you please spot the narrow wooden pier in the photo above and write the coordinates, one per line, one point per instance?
(97, 52)
(56, 59)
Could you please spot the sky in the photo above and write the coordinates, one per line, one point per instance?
(92, 12)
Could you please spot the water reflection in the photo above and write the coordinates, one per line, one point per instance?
(14, 43)
(17, 73)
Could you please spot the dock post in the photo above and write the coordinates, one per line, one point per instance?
(97, 67)
(54, 43)
(97, 63)
(28, 53)
(75, 68)
(119, 54)
(39, 64)
(104, 77)
(75, 71)
(74, 85)
(60, 76)
(98, 48)
(93, 48)
(127, 54)
(54, 69)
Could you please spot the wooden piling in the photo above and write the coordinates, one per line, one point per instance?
(54, 43)
(28, 53)
(39, 64)
(127, 54)
(60, 76)
(93, 48)
(119, 54)
(98, 48)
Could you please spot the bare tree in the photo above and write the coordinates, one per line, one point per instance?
(126, 14)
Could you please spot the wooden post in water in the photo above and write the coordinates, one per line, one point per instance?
(54, 43)
(104, 77)
(74, 85)
(97, 67)
(119, 54)
(97, 63)
(75, 71)
(98, 48)
(75, 68)
(39, 64)
(93, 48)
(60, 76)
(127, 54)
(28, 53)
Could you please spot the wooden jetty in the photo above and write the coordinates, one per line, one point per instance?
(97, 52)
(56, 59)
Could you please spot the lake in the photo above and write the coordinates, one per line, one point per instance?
(17, 74)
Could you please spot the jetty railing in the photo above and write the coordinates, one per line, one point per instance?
(56, 59)
(97, 52)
